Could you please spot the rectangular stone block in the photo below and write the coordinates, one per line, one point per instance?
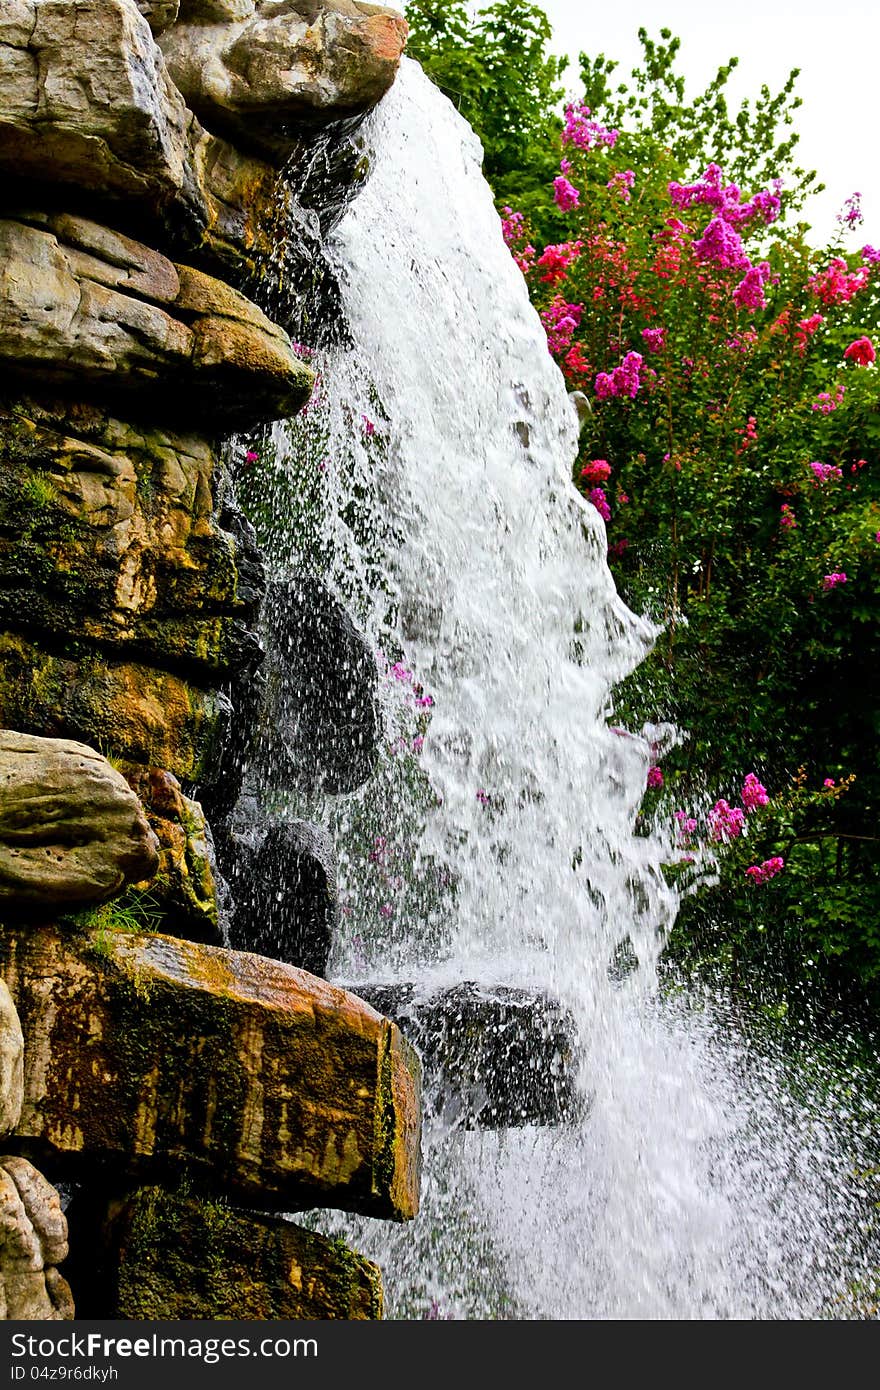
(158, 1055)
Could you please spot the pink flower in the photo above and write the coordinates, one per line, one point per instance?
(852, 211)
(831, 581)
(600, 502)
(621, 184)
(555, 260)
(655, 776)
(787, 519)
(760, 873)
(829, 782)
(824, 472)
(251, 456)
(722, 245)
(565, 195)
(749, 293)
(726, 822)
(596, 471)
(861, 352)
(623, 381)
(654, 338)
(583, 133)
(838, 284)
(753, 793)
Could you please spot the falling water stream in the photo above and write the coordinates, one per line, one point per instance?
(497, 841)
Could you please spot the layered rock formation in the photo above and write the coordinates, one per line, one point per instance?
(143, 213)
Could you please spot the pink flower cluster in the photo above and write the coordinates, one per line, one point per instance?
(621, 184)
(597, 496)
(655, 776)
(513, 230)
(861, 352)
(838, 283)
(852, 215)
(722, 244)
(826, 402)
(565, 195)
(623, 381)
(831, 581)
(753, 793)
(824, 472)
(560, 319)
(556, 259)
(870, 253)
(654, 338)
(726, 198)
(749, 293)
(596, 471)
(787, 519)
(726, 822)
(760, 873)
(582, 132)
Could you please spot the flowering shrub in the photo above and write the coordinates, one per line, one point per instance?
(736, 409)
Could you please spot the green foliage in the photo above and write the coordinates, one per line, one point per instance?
(734, 447)
(496, 69)
(755, 144)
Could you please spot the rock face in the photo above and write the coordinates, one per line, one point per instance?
(282, 1088)
(283, 883)
(182, 1257)
(33, 1241)
(72, 832)
(11, 1063)
(91, 310)
(296, 59)
(148, 214)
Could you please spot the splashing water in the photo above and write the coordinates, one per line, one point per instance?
(496, 842)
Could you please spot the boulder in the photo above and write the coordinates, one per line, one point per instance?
(282, 878)
(185, 892)
(255, 73)
(318, 725)
(180, 1256)
(11, 1063)
(493, 1057)
(153, 1054)
(109, 531)
(33, 1241)
(124, 324)
(72, 832)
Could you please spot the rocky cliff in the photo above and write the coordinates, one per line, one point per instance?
(162, 1094)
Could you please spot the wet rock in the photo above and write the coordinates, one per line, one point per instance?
(153, 1054)
(145, 331)
(72, 832)
(283, 883)
(255, 73)
(185, 888)
(109, 531)
(492, 1057)
(33, 1240)
(143, 715)
(182, 1257)
(11, 1063)
(318, 724)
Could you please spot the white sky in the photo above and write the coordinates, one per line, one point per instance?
(836, 44)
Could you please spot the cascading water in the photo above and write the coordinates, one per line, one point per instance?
(496, 842)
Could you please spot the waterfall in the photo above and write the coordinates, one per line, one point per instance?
(498, 841)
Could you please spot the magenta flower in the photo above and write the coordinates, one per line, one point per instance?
(861, 352)
(655, 776)
(600, 502)
(753, 793)
(726, 822)
(831, 581)
(565, 195)
(824, 472)
(787, 519)
(654, 338)
(596, 471)
(760, 873)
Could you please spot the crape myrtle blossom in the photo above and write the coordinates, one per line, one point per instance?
(556, 259)
(597, 496)
(726, 822)
(623, 381)
(654, 338)
(560, 319)
(725, 199)
(749, 293)
(582, 132)
(760, 873)
(824, 472)
(861, 352)
(753, 794)
(831, 581)
(565, 195)
(838, 283)
(621, 184)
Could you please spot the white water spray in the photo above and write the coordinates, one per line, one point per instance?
(497, 842)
